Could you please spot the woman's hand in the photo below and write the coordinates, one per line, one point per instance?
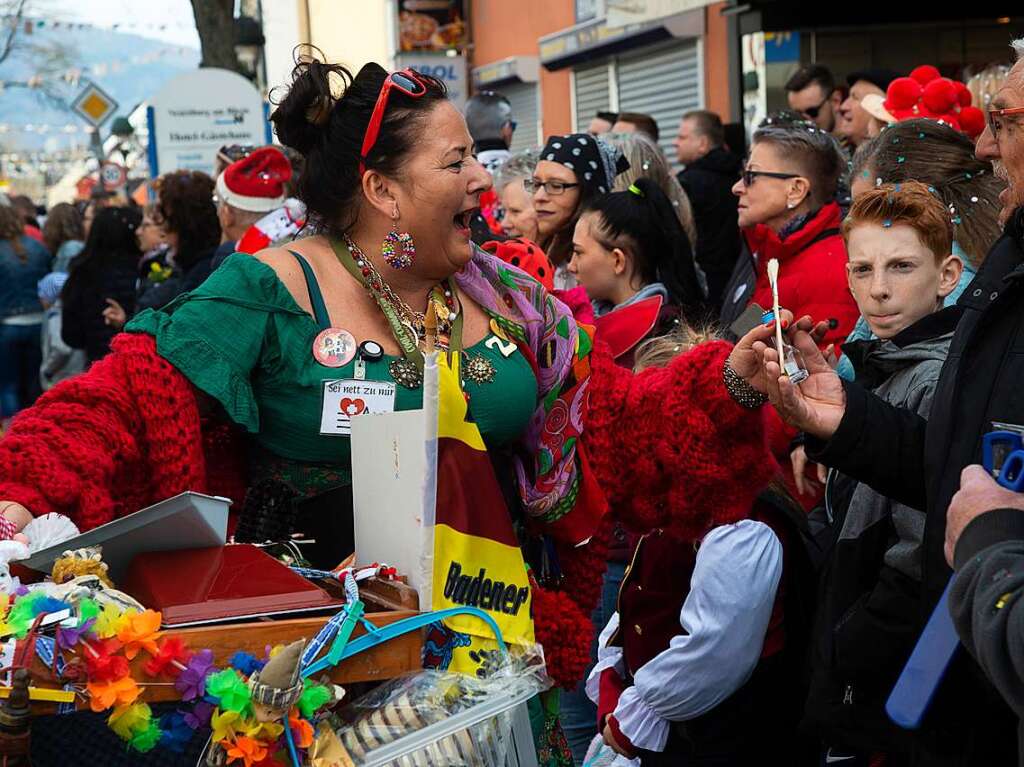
(746, 361)
(746, 357)
(114, 315)
(817, 405)
(804, 484)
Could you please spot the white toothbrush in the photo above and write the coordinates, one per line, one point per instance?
(773, 280)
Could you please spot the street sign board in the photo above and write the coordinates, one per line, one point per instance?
(113, 175)
(198, 112)
(451, 70)
(93, 105)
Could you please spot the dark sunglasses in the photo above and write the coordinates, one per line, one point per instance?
(812, 112)
(406, 82)
(748, 175)
(994, 123)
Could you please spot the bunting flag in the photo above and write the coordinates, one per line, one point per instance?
(477, 561)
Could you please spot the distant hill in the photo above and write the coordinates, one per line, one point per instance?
(132, 68)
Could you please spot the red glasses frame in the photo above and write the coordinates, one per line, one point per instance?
(393, 81)
(995, 113)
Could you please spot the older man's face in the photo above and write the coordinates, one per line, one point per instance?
(1005, 149)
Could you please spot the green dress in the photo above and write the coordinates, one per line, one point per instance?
(242, 339)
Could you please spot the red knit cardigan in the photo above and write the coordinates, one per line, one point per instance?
(668, 447)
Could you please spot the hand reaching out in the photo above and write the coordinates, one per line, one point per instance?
(114, 315)
(804, 484)
(817, 405)
(746, 359)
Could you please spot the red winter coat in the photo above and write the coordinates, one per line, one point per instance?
(812, 272)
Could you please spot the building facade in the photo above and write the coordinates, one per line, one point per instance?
(562, 61)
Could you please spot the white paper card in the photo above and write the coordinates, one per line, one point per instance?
(389, 469)
(348, 398)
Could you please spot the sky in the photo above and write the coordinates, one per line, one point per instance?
(140, 17)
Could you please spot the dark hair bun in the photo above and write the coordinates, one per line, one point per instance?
(324, 116)
(301, 117)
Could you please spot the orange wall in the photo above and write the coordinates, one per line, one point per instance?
(503, 28)
(716, 63)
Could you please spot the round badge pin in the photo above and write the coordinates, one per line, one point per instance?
(334, 347)
(371, 351)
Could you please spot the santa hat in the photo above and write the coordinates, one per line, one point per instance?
(925, 93)
(256, 183)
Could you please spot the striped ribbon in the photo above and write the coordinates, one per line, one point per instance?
(322, 637)
(329, 629)
(46, 649)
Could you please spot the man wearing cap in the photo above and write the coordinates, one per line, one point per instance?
(247, 191)
(854, 121)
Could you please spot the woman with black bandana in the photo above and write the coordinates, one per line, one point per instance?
(573, 171)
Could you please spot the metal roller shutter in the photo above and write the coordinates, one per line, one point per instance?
(523, 97)
(591, 93)
(664, 83)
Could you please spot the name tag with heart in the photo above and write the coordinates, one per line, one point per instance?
(347, 398)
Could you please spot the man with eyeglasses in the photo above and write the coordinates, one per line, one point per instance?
(970, 522)
(811, 91)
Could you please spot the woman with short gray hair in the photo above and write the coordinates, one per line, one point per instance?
(518, 218)
(788, 211)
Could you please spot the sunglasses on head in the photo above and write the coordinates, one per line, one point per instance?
(406, 82)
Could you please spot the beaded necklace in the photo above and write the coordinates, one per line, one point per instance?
(407, 325)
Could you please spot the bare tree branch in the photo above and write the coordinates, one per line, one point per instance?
(15, 19)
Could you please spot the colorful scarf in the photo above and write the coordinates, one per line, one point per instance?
(557, 490)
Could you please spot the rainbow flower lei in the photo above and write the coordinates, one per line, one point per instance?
(105, 638)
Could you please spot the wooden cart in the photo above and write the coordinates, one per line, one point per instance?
(386, 602)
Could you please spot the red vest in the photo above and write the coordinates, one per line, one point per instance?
(658, 582)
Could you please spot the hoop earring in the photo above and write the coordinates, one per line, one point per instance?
(401, 257)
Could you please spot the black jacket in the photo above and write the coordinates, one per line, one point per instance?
(85, 294)
(918, 463)
(866, 623)
(989, 561)
(708, 183)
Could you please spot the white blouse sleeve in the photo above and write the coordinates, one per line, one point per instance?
(607, 657)
(724, 620)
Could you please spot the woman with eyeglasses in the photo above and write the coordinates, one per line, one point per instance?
(573, 170)
(242, 369)
(787, 211)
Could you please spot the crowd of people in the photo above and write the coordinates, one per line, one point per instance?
(736, 410)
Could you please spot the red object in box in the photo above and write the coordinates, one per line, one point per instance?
(222, 583)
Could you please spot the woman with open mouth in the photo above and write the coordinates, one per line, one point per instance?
(236, 370)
